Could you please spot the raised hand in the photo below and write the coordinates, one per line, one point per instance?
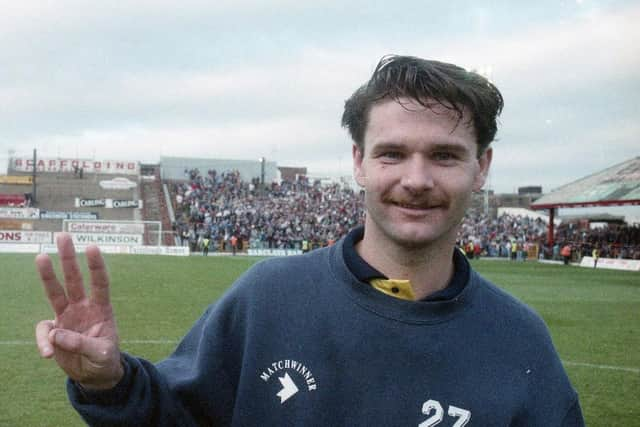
(83, 337)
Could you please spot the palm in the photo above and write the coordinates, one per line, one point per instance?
(91, 320)
(84, 331)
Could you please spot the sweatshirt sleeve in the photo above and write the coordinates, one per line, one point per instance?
(133, 398)
(193, 386)
(574, 416)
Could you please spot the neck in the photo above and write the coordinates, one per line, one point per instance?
(429, 268)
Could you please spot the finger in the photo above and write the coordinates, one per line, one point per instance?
(99, 276)
(53, 288)
(70, 268)
(97, 350)
(42, 338)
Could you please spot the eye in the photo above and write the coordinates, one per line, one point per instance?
(444, 156)
(391, 155)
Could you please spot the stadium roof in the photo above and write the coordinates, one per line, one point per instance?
(618, 185)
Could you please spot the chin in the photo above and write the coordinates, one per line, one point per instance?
(413, 240)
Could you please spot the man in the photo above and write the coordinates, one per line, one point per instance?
(388, 327)
(205, 245)
(234, 243)
(566, 253)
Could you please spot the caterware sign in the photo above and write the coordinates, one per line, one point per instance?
(105, 239)
(121, 167)
(105, 227)
(15, 236)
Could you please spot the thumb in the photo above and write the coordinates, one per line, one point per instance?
(97, 350)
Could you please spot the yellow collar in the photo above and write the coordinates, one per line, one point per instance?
(396, 288)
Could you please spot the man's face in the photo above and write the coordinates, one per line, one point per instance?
(418, 171)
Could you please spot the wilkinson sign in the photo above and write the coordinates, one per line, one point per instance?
(105, 239)
(121, 167)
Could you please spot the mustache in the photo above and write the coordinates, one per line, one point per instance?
(418, 202)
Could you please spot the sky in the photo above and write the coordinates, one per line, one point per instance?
(249, 79)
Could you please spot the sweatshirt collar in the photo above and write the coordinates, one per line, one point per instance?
(364, 272)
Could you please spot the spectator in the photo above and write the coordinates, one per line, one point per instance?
(566, 253)
(205, 245)
(234, 243)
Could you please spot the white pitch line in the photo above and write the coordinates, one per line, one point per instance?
(609, 367)
(167, 341)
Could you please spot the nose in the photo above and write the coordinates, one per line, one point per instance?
(417, 175)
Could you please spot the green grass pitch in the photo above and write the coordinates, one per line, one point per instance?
(593, 315)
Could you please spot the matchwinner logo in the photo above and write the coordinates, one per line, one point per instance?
(289, 385)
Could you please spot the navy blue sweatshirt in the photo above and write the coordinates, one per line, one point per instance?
(301, 341)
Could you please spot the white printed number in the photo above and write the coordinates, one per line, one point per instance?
(433, 408)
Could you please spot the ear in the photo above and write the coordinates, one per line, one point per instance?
(484, 162)
(358, 172)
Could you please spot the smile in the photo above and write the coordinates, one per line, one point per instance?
(415, 207)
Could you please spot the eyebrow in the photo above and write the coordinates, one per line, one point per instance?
(457, 148)
(385, 146)
(446, 146)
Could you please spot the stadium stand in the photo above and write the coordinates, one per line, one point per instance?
(15, 190)
(58, 192)
(618, 185)
(154, 205)
(177, 168)
(496, 237)
(292, 214)
(286, 215)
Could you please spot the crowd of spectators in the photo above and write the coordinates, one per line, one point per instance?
(507, 236)
(519, 237)
(306, 215)
(289, 215)
(612, 241)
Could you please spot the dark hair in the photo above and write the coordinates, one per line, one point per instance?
(425, 81)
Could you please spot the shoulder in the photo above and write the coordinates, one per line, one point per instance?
(286, 268)
(503, 303)
(282, 276)
(521, 335)
(273, 290)
(511, 320)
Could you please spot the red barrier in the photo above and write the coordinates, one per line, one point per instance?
(12, 200)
